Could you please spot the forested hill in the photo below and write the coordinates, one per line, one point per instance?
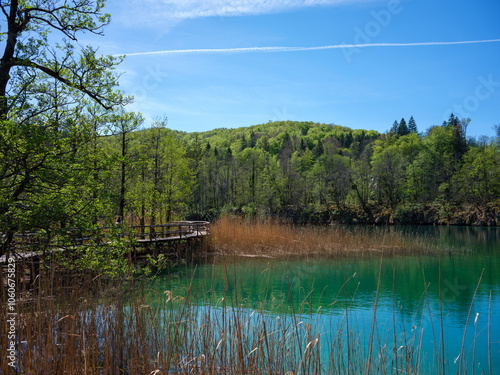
(271, 168)
(306, 171)
(270, 136)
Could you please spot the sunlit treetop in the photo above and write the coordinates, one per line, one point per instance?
(38, 42)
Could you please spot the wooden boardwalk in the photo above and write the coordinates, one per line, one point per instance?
(33, 246)
(175, 231)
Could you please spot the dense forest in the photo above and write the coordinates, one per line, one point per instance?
(107, 166)
(318, 173)
(71, 157)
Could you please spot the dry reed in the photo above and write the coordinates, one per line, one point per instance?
(85, 332)
(235, 236)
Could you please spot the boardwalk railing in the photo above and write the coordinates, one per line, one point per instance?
(28, 245)
(173, 231)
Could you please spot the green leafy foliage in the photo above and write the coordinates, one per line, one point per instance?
(109, 259)
(49, 176)
(30, 62)
(272, 166)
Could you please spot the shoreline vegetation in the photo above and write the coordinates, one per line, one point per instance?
(270, 239)
(376, 214)
(83, 323)
(312, 173)
(299, 172)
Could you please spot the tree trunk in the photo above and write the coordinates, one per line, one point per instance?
(121, 207)
(8, 55)
(9, 236)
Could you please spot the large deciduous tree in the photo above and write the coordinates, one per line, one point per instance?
(46, 80)
(44, 171)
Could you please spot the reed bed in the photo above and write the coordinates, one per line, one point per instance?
(235, 236)
(86, 325)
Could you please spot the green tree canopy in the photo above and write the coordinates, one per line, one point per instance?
(30, 60)
(46, 82)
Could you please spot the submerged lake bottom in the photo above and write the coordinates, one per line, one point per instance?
(396, 314)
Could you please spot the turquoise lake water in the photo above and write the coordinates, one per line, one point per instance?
(416, 296)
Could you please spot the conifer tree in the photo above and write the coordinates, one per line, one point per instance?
(395, 127)
(496, 128)
(412, 125)
(252, 139)
(403, 128)
(318, 150)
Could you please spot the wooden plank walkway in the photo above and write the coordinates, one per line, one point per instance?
(180, 237)
(143, 235)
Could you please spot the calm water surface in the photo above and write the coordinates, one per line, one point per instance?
(323, 290)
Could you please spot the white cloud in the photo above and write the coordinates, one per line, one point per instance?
(169, 12)
(200, 8)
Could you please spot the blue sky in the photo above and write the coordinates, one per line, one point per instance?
(225, 76)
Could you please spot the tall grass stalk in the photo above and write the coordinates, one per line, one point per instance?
(395, 358)
(489, 335)
(443, 369)
(374, 320)
(467, 323)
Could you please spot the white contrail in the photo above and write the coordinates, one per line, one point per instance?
(296, 49)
